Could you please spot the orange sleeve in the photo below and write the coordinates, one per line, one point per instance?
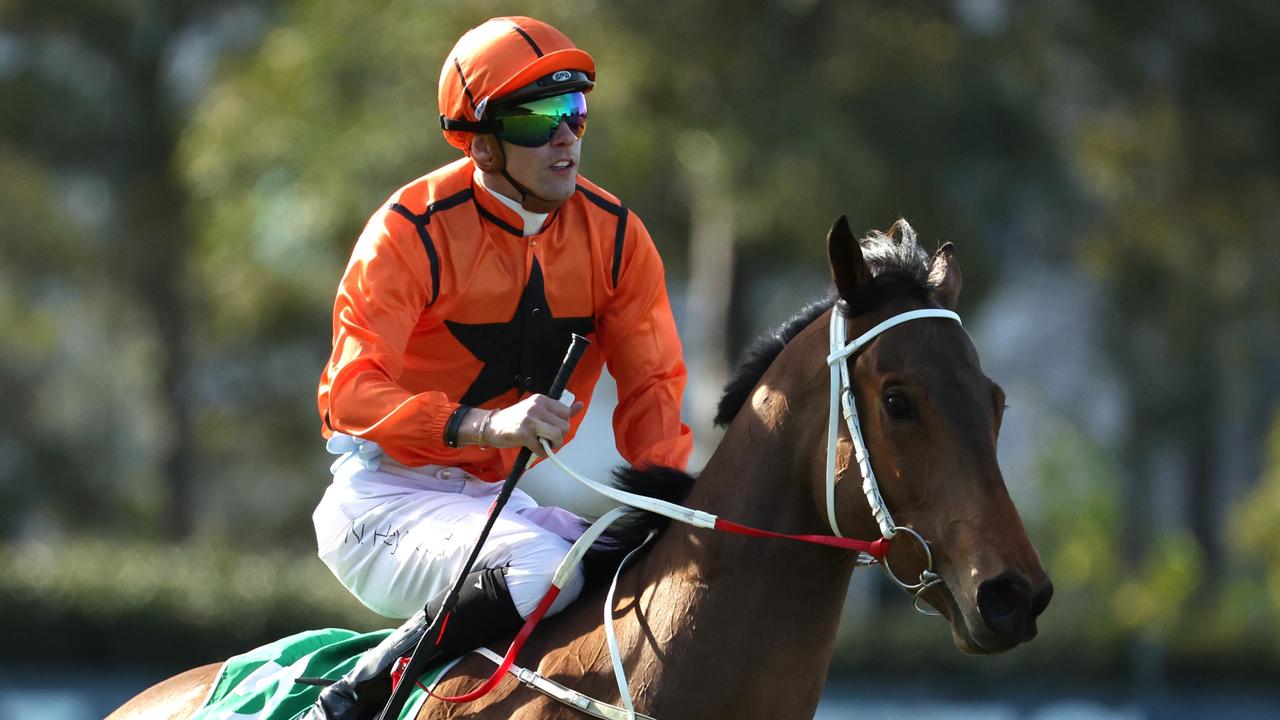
(380, 301)
(644, 356)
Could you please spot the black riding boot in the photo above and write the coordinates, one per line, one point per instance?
(484, 611)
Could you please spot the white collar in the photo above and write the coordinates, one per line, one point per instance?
(532, 220)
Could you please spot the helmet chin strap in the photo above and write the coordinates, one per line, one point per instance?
(528, 199)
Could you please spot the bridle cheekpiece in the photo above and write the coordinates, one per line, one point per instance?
(842, 401)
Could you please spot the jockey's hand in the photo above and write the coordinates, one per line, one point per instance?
(520, 425)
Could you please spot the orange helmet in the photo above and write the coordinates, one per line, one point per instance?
(506, 59)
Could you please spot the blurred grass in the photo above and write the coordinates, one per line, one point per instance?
(161, 605)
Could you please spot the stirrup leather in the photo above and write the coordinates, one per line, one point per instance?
(556, 691)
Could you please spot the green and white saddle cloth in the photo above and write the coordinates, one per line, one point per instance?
(260, 683)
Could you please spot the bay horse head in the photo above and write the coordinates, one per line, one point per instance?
(930, 418)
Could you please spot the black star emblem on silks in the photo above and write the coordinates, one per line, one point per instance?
(523, 353)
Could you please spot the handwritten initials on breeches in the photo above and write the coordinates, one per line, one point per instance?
(395, 537)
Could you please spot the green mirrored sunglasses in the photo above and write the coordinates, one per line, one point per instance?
(534, 123)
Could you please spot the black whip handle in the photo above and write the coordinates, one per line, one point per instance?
(418, 660)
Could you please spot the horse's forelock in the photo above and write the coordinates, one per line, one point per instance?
(896, 251)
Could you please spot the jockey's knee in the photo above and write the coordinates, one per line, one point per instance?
(571, 590)
(530, 574)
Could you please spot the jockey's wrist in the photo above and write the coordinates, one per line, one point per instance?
(484, 425)
(471, 431)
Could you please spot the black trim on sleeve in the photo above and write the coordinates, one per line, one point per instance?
(604, 204)
(452, 201)
(619, 236)
(433, 259)
(620, 232)
(420, 223)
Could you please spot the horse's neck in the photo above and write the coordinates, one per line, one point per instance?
(731, 617)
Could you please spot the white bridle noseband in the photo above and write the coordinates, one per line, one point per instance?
(842, 398)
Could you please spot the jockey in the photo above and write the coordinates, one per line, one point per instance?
(450, 323)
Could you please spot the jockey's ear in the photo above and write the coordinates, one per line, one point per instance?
(944, 277)
(848, 268)
(486, 151)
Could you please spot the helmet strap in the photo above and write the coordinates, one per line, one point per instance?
(528, 199)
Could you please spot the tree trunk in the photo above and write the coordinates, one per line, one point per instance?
(158, 240)
(710, 282)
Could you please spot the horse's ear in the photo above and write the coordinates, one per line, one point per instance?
(944, 276)
(848, 268)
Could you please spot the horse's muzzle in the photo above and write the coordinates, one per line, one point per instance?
(1009, 606)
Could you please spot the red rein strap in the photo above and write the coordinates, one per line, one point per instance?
(516, 645)
(875, 548)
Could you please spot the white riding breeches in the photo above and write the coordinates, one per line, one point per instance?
(397, 537)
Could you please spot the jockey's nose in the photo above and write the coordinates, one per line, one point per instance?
(1010, 605)
(563, 135)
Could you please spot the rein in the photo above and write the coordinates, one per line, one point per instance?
(877, 549)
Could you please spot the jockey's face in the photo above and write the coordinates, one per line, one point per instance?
(549, 171)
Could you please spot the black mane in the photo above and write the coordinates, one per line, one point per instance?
(759, 355)
(898, 267)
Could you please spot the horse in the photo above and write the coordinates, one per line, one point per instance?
(717, 625)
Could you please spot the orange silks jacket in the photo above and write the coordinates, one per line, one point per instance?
(443, 302)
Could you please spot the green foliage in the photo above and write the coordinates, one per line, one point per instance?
(1185, 192)
(1234, 625)
(1081, 529)
(1078, 531)
(1252, 602)
(1156, 598)
(1257, 518)
(59, 316)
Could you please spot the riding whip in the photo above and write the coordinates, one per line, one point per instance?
(418, 659)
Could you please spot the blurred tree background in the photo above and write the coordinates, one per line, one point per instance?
(183, 181)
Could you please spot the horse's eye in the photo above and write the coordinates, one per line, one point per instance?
(898, 404)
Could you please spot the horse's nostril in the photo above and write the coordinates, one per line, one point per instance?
(1000, 605)
(1041, 599)
(1005, 604)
